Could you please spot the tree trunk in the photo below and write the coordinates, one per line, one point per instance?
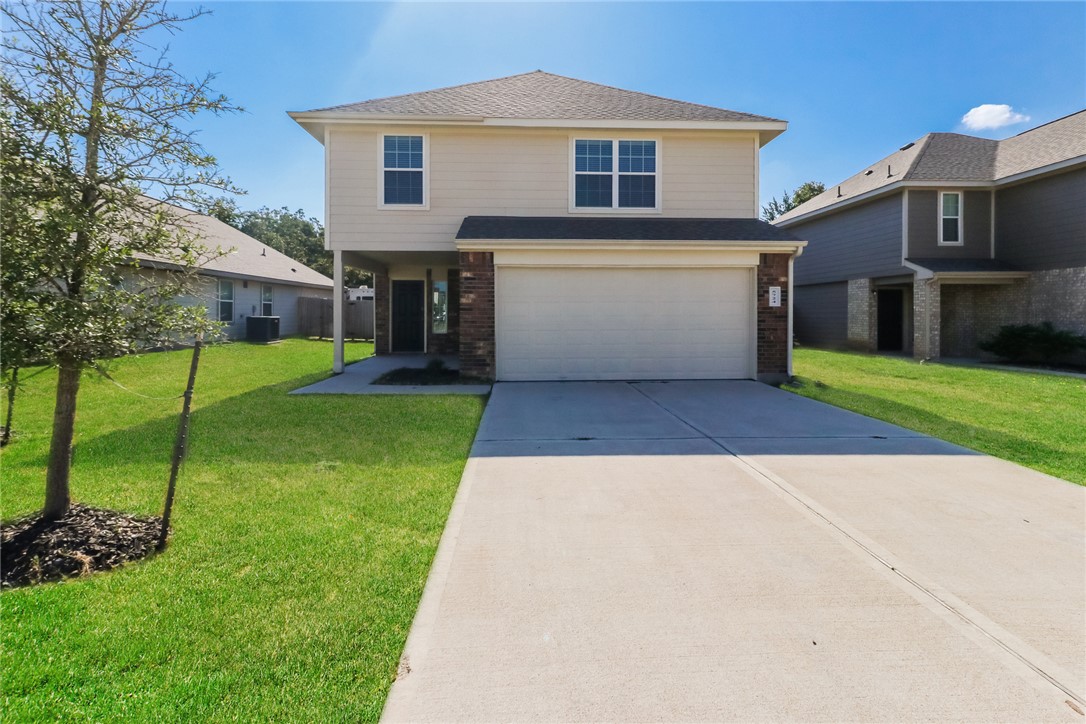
(57, 496)
(11, 407)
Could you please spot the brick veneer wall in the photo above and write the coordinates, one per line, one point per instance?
(972, 313)
(382, 338)
(862, 315)
(476, 314)
(772, 321)
(927, 320)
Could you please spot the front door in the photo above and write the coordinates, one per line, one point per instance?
(408, 315)
(891, 320)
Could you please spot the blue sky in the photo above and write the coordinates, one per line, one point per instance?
(854, 80)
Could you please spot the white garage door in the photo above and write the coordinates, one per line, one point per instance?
(623, 323)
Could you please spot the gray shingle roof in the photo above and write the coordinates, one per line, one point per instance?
(250, 258)
(540, 95)
(953, 157)
(619, 229)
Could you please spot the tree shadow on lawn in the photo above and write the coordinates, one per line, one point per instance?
(1000, 443)
(266, 426)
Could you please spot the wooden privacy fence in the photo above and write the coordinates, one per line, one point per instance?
(315, 318)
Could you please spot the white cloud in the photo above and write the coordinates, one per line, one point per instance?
(992, 115)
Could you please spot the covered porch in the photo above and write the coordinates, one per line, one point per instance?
(416, 303)
(958, 303)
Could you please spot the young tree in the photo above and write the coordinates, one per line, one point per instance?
(102, 117)
(27, 177)
(790, 201)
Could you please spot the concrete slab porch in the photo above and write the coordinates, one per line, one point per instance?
(358, 378)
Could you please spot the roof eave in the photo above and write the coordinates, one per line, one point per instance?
(979, 277)
(622, 244)
(314, 122)
(211, 272)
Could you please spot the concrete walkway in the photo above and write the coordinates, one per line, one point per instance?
(358, 378)
(707, 551)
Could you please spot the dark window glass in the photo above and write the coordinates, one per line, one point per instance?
(950, 230)
(403, 151)
(594, 156)
(637, 156)
(637, 192)
(226, 300)
(593, 191)
(403, 187)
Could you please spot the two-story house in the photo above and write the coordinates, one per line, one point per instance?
(547, 228)
(935, 247)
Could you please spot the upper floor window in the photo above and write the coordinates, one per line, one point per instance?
(950, 217)
(403, 170)
(598, 183)
(226, 300)
(266, 300)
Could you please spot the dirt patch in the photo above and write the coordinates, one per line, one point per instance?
(84, 541)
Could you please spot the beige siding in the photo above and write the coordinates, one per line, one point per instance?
(520, 172)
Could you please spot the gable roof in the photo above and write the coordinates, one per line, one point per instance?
(956, 158)
(248, 258)
(566, 228)
(541, 95)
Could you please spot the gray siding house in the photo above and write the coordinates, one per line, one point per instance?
(935, 247)
(251, 279)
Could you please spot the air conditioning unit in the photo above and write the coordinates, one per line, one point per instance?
(262, 330)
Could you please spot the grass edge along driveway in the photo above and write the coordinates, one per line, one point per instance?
(303, 534)
(1033, 419)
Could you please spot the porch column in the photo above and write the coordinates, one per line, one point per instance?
(337, 312)
(861, 315)
(926, 319)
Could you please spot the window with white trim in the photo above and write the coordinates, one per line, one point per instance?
(226, 300)
(403, 171)
(950, 217)
(266, 300)
(599, 184)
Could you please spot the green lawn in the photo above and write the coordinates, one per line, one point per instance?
(1036, 420)
(303, 532)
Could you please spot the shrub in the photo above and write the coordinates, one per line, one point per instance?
(1033, 343)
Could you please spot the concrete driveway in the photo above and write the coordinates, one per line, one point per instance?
(704, 551)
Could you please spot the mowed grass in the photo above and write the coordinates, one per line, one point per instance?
(1036, 420)
(304, 529)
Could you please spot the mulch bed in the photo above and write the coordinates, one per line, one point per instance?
(84, 541)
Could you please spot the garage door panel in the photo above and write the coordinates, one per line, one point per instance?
(623, 323)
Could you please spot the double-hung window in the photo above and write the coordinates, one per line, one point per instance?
(614, 174)
(950, 217)
(266, 300)
(226, 300)
(403, 171)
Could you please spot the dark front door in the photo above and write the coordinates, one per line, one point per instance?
(891, 330)
(408, 313)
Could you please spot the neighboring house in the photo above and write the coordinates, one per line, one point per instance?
(251, 280)
(547, 228)
(934, 248)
